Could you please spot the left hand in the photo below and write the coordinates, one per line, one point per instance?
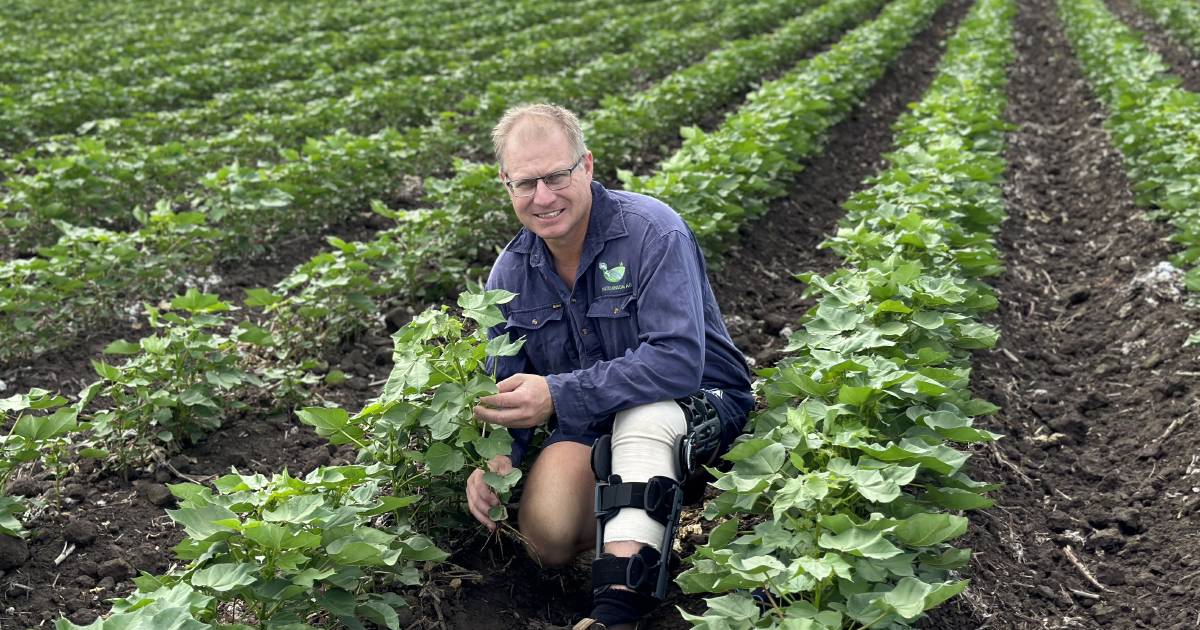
(523, 402)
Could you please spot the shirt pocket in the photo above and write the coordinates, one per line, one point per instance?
(614, 318)
(547, 342)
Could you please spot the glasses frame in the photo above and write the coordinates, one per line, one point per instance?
(511, 184)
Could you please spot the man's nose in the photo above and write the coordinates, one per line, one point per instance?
(543, 194)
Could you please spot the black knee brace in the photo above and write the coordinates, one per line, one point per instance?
(662, 498)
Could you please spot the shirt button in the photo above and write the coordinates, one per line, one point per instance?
(616, 310)
(572, 300)
(584, 331)
(534, 322)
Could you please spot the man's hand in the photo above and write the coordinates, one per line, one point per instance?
(523, 402)
(480, 496)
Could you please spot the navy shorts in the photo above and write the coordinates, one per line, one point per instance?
(732, 410)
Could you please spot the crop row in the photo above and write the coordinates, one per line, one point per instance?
(63, 103)
(89, 184)
(1181, 18)
(1154, 122)
(90, 272)
(839, 508)
(132, 45)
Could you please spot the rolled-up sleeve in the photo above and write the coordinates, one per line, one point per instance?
(668, 361)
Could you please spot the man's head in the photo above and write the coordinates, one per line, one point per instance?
(547, 171)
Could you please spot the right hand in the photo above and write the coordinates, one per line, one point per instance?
(480, 496)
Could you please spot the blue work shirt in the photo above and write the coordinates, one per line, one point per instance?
(641, 324)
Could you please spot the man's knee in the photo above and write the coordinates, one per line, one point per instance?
(556, 507)
(658, 423)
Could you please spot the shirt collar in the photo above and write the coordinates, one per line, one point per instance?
(605, 222)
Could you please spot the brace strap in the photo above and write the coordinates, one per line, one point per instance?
(654, 497)
(638, 572)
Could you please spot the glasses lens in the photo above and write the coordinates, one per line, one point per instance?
(524, 187)
(557, 180)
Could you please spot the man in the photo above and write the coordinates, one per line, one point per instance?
(619, 323)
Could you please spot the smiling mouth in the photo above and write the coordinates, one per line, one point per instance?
(549, 215)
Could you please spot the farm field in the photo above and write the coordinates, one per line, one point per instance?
(957, 239)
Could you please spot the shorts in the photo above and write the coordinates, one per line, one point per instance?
(733, 410)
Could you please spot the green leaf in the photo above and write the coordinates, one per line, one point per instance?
(37, 429)
(498, 442)
(225, 577)
(261, 297)
(443, 458)
(121, 346)
(957, 499)
(481, 307)
(500, 346)
(860, 542)
(923, 530)
(502, 484)
(301, 508)
(196, 302)
(757, 456)
(202, 523)
(106, 371)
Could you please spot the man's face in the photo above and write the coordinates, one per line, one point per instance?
(536, 149)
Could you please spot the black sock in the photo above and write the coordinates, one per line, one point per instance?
(613, 606)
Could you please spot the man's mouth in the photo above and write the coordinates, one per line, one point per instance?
(549, 215)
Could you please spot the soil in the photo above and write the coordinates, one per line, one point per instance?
(1094, 527)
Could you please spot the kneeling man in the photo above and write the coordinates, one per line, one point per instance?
(625, 355)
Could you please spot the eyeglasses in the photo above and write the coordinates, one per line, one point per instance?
(557, 180)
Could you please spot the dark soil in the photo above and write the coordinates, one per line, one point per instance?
(1095, 526)
(1183, 63)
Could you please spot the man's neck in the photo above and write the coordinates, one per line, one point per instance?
(566, 260)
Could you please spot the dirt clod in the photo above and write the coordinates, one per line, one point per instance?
(80, 531)
(13, 553)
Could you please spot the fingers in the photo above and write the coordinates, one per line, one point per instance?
(506, 417)
(501, 464)
(481, 499)
(503, 400)
(510, 383)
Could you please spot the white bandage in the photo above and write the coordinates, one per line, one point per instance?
(643, 446)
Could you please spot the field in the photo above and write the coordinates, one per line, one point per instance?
(957, 240)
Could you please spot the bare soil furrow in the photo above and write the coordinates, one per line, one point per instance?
(1094, 526)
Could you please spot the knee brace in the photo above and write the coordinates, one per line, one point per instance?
(660, 497)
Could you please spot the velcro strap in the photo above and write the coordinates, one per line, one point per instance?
(654, 497)
(638, 572)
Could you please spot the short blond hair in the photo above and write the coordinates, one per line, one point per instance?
(556, 115)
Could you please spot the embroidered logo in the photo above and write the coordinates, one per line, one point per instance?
(615, 274)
